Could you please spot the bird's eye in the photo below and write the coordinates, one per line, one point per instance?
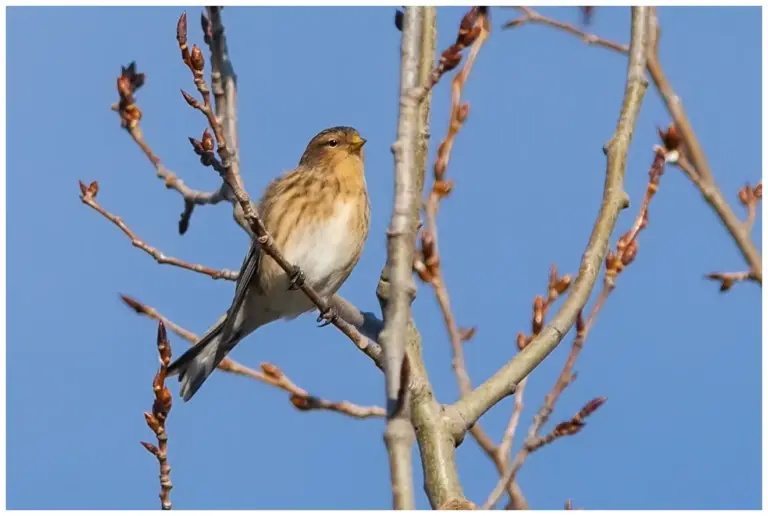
(333, 143)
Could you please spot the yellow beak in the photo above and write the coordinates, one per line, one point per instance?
(357, 143)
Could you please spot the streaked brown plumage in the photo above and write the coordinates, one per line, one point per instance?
(319, 216)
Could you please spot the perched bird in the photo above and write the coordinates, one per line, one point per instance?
(318, 215)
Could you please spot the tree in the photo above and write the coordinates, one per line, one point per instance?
(394, 343)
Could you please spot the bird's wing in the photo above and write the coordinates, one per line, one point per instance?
(248, 271)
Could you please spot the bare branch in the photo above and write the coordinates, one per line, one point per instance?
(435, 440)
(428, 262)
(130, 115)
(504, 382)
(616, 262)
(400, 250)
(269, 374)
(223, 77)
(532, 16)
(88, 196)
(698, 169)
(156, 419)
(728, 279)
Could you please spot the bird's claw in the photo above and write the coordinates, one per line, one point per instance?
(296, 281)
(326, 317)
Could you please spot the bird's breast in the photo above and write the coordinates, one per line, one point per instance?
(327, 248)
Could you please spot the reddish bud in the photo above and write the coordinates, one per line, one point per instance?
(190, 99)
(197, 59)
(443, 188)
(421, 270)
(592, 406)
(630, 253)
(207, 141)
(563, 283)
(467, 22)
(93, 189)
(467, 333)
(300, 402)
(123, 86)
(470, 37)
(670, 138)
(450, 59)
(151, 448)
(181, 29)
(522, 341)
(758, 190)
(745, 194)
(83, 188)
(164, 399)
(271, 370)
(152, 421)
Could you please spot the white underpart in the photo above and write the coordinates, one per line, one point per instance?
(324, 249)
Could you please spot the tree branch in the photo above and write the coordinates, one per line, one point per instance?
(88, 197)
(401, 237)
(702, 176)
(269, 374)
(616, 263)
(130, 115)
(504, 382)
(156, 419)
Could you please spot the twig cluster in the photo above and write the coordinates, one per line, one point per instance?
(269, 373)
(128, 83)
(476, 20)
(616, 262)
(557, 285)
(691, 159)
(157, 418)
(473, 31)
(88, 197)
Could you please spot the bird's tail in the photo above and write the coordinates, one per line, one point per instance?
(199, 361)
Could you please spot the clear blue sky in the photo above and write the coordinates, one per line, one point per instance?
(679, 362)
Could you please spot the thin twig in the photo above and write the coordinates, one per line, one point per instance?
(750, 197)
(728, 279)
(505, 447)
(88, 197)
(471, 407)
(451, 56)
(616, 262)
(156, 419)
(698, 169)
(474, 30)
(129, 81)
(428, 263)
(269, 374)
(223, 78)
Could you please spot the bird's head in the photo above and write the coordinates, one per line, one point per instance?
(331, 145)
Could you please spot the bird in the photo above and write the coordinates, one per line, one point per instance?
(319, 216)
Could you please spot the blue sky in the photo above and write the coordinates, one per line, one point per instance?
(679, 362)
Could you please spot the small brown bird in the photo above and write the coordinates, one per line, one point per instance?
(318, 215)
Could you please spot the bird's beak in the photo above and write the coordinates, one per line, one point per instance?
(358, 142)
